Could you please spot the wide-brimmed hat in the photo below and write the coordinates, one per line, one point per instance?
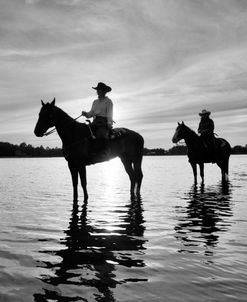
(102, 86)
(204, 112)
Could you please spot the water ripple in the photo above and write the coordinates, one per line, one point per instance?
(179, 242)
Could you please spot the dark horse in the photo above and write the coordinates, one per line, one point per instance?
(77, 146)
(198, 154)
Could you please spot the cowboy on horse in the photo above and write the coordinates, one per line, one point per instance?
(77, 138)
(206, 131)
(102, 114)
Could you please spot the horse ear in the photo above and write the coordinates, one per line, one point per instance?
(42, 103)
(182, 122)
(178, 124)
(53, 102)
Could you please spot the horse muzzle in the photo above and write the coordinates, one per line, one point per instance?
(38, 133)
(174, 140)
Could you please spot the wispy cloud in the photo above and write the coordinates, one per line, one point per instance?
(166, 61)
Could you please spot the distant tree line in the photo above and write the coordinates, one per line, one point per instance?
(27, 150)
(176, 150)
(239, 149)
(7, 149)
(182, 150)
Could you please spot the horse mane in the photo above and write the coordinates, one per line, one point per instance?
(192, 132)
(62, 113)
(67, 116)
(71, 122)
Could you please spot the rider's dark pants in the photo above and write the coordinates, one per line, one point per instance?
(209, 143)
(101, 132)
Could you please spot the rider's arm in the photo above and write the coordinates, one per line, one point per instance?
(89, 113)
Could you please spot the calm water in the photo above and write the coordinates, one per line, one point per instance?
(178, 243)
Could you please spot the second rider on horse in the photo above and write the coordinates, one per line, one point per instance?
(206, 131)
(102, 114)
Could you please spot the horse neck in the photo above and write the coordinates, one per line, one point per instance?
(191, 138)
(64, 124)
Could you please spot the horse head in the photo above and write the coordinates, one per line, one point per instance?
(179, 133)
(46, 118)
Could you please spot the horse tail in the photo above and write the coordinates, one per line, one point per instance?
(227, 168)
(140, 147)
(137, 163)
(225, 151)
(224, 145)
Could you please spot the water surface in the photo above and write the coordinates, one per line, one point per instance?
(179, 242)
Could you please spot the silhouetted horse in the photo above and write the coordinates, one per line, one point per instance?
(78, 145)
(198, 154)
(203, 217)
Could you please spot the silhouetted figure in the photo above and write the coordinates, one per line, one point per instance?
(204, 217)
(196, 151)
(77, 147)
(206, 130)
(90, 256)
(102, 114)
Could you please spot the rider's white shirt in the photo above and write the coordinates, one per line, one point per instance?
(102, 107)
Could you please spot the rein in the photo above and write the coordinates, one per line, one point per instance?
(54, 129)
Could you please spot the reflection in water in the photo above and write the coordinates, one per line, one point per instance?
(204, 216)
(90, 256)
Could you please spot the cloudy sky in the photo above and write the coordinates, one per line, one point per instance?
(165, 60)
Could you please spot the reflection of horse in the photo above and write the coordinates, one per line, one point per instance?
(198, 154)
(77, 144)
(204, 216)
(90, 256)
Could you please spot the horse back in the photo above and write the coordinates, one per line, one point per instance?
(222, 144)
(199, 153)
(126, 141)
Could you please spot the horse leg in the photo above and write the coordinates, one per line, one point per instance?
(129, 169)
(74, 174)
(227, 169)
(138, 175)
(83, 178)
(201, 165)
(224, 169)
(193, 165)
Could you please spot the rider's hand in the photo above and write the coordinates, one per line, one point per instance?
(84, 113)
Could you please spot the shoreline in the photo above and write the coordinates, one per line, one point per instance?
(154, 155)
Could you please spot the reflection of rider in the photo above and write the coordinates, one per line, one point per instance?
(90, 256)
(102, 112)
(205, 217)
(206, 130)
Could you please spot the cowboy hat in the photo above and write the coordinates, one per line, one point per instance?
(102, 86)
(204, 112)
